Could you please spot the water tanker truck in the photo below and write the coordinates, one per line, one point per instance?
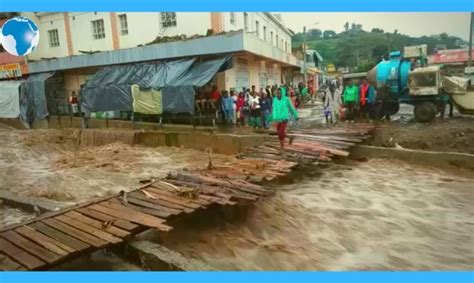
(426, 88)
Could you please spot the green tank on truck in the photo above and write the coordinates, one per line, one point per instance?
(426, 88)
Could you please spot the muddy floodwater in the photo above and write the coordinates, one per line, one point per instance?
(51, 165)
(10, 215)
(375, 215)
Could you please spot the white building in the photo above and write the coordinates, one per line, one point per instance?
(77, 44)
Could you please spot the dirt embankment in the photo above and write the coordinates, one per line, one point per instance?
(454, 135)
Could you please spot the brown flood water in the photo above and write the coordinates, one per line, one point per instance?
(377, 215)
(49, 164)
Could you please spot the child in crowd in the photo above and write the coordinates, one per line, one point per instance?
(266, 109)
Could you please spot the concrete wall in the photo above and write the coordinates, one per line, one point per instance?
(142, 29)
(46, 23)
(447, 160)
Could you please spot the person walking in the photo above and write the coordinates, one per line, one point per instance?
(350, 98)
(332, 102)
(281, 108)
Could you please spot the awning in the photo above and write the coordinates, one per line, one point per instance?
(9, 99)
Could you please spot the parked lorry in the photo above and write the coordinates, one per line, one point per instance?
(407, 80)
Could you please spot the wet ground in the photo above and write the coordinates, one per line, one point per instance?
(375, 215)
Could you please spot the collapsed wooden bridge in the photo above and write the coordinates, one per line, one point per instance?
(56, 237)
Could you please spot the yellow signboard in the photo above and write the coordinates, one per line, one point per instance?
(10, 71)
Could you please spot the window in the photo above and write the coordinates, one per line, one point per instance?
(246, 22)
(232, 18)
(98, 30)
(257, 28)
(286, 46)
(123, 24)
(265, 33)
(281, 46)
(276, 43)
(271, 36)
(53, 38)
(168, 19)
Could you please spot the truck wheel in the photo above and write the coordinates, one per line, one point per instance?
(425, 112)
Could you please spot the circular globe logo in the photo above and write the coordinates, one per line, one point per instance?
(19, 36)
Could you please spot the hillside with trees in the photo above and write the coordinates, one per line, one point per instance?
(360, 50)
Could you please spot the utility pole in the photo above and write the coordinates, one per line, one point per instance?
(304, 55)
(388, 39)
(469, 63)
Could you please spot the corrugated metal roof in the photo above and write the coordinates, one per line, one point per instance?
(220, 44)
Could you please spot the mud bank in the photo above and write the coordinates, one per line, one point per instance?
(375, 215)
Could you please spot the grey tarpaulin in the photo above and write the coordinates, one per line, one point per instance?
(110, 88)
(178, 99)
(201, 73)
(9, 99)
(33, 97)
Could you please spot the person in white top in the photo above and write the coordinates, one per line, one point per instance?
(234, 106)
(332, 102)
(254, 103)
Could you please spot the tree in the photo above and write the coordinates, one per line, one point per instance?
(315, 33)
(329, 34)
(346, 26)
(376, 30)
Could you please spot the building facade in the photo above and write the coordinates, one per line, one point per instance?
(259, 42)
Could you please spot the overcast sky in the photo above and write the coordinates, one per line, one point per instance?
(413, 24)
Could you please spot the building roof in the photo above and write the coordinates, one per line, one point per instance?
(212, 45)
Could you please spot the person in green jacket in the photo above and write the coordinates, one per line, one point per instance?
(282, 107)
(350, 98)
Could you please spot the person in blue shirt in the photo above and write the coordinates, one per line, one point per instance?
(228, 107)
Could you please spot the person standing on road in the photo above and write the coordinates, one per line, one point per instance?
(240, 109)
(228, 107)
(281, 109)
(266, 109)
(350, 98)
(254, 103)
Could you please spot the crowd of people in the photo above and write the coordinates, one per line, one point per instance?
(349, 102)
(257, 109)
(249, 106)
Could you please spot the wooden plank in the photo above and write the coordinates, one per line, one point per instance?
(88, 229)
(30, 246)
(165, 192)
(97, 224)
(133, 216)
(157, 210)
(19, 255)
(45, 241)
(150, 211)
(60, 236)
(73, 232)
(116, 204)
(164, 203)
(120, 223)
(158, 193)
(8, 264)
